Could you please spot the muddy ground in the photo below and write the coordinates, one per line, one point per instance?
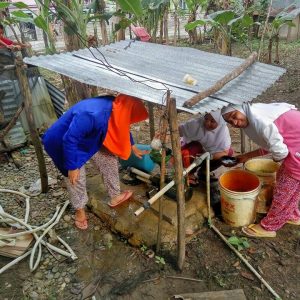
(112, 269)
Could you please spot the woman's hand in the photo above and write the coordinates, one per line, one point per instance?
(139, 153)
(242, 158)
(73, 176)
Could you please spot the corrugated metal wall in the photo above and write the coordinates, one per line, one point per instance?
(9, 104)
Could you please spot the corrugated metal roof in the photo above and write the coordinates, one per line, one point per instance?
(158, 67)
(285, 3)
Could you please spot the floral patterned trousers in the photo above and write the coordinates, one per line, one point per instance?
(107, 165)
(285, 204)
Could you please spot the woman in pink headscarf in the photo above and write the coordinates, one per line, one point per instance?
(275, 128)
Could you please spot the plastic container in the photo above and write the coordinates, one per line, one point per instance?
(266, 170)
(144, 164)
(239, 190)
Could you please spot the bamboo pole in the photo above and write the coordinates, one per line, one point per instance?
(220, 83)
(179, 180)
(146, 205)
(160, 200)
(208, 187)
(26, 95)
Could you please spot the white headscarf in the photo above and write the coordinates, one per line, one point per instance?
(261, 128)
(261, 117)
(217, 117)
(232, 107)
(212, 141)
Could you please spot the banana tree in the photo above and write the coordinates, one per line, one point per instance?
(283, 19)
(193, 6)
(225, 27)
(147, 13)
(41, 20)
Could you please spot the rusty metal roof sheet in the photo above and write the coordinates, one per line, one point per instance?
(147, 70)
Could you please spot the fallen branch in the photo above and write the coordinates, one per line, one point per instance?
(245, 261)
(172, 277)
(184, 278)
(11, 123)
(220, 83)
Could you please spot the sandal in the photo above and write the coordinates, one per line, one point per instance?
(293, 222)
(253, 231)
(127, 195)
(83, 225)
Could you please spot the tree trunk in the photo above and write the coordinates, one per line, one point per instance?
(96, 34)
(192, 33)
(104, 33)
(276, 60)
(175, 26)
(178, 29)
(45, 38)
(166, 32)
(26, 95)
(161, 30)
(103, 24)
(75, 90)
(179, 180)
(120, 32)
(225, 45)
(270, 46)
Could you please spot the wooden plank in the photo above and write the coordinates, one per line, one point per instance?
(237, 294)
(22, 243)
(220, 83)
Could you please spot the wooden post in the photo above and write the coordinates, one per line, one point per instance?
(26, 95)
(151, 120)
(220, 83)
(179, 180)
(160, 200)
(163, 134)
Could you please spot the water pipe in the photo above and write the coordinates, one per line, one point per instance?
(196, 163)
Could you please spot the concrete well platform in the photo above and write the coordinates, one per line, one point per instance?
(143, 229)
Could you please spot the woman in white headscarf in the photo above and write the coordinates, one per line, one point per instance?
(208, 133)
(275, 128)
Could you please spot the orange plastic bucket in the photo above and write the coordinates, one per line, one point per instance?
(239, 190)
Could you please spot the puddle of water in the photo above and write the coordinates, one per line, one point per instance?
(101, 253)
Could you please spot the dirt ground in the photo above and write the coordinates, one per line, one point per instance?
(115, 270)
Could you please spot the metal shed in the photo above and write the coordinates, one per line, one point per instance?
(11, 99)
(147, 70)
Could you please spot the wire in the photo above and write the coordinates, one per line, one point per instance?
(105, 62)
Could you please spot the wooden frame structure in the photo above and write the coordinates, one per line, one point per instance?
(169, 120)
